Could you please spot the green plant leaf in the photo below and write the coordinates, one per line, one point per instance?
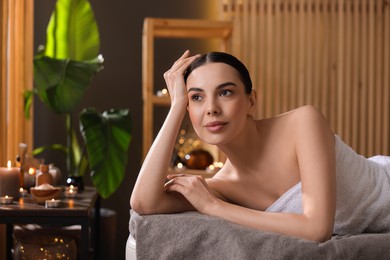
(79, 157)
(107, 137)
(72, 32)
(27, 97)
(41, 149)
(61, 84)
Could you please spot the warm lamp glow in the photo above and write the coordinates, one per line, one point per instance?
(31, 171)
(9, 164)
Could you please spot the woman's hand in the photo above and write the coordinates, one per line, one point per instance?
(174, 79)
(193, 188)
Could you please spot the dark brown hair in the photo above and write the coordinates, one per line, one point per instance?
(213, 57)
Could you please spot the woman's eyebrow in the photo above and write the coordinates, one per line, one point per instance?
(195, 89)
(226, 84)
(218, 87)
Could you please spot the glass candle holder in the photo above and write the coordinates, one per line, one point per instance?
(52, 203)
(6, 199)
(70, 193)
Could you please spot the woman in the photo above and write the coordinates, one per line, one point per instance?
(280, 173)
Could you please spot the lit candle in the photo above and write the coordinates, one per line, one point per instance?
(71, 193)
(52, 203)
(6, 199)
(9, 180)
(71, 187)
(29, 178)
(22, 192)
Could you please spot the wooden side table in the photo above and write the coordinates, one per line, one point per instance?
(77, 211)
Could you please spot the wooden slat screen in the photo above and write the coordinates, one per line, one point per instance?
(333, 54)
(16, 75)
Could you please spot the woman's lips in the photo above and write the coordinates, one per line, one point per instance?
(215, 126)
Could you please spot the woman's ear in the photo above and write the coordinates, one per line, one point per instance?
(252, 102)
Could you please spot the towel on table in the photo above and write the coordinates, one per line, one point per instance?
(192, 235)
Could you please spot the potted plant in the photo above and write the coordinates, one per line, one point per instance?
(63, 70)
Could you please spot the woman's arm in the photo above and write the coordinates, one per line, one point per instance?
(148, 196)
(316, 159)
(315, 145)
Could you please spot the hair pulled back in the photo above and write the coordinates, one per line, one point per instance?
(222, 57)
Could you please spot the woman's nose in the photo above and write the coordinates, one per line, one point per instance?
(213, 110)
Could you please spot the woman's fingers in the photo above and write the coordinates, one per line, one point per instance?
(174, 78)
(171, 178)
(184, 55)
(182, 179)
(182, 63)
(193, 188)
(168, 184)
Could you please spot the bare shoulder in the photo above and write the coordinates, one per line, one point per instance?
(311, 130)
(305, 126)
(305, 117)
(305, 112)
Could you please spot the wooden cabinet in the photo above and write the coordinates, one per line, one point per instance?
(154, 28)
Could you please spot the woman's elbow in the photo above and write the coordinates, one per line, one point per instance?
(137, 205)
(321, 238)
(320, 234)
(139, 208)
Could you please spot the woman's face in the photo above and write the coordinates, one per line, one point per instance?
(218, 105)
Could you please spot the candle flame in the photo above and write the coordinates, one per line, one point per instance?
(6, 196)
(21, 189)
(52, 199)
(31, 171)
(71, 187)
(9, 164)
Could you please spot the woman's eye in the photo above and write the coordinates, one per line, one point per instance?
(196, 97)
(225, 92)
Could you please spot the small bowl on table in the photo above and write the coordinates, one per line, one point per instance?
(45, 192)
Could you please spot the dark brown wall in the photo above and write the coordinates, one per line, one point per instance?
(119, 84)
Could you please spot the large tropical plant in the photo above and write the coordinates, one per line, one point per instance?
(63, 70)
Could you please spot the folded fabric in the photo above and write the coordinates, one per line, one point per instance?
(192, 235)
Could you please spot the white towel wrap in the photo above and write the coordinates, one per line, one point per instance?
(363, 193)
